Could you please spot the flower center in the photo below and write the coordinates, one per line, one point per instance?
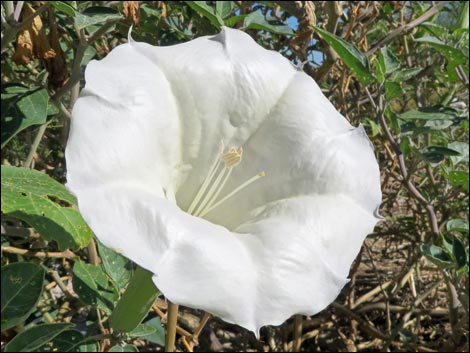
(206, 198)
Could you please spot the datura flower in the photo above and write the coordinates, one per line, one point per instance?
(224, 170)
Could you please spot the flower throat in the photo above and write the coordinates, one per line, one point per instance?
(206, 198)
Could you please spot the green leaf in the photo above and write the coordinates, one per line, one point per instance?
(90, 53)
(96, 15)
(457, 251)
(62, 6)
(430, 113)
(256, 20)
(21, 288)
(434, 125)
(180, 27)
(66, 341)
(89, 346)
(232, 21)
(386, 64)
(118, 268)
(436, 255)
(21, 108)
(206, 11)
(454, 55)
(462, 22)
(224, 8)
(142, 330)
(150, 12)
(458, 225)
(135, 303)
(376, 128)
(350, 55)
(436, 154)
(463, 149)
(393, 90)
(463, 272)
(91, 285)
(458, 179)
(159, 336)
(126, 348)
(92, 275)
(44, 204)
(35, 337)
(405, 74)
(434, 28)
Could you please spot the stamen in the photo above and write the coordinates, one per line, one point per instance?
(213, 184)
(238, 189)
(208, 179)
(210, 193)
(219, 189)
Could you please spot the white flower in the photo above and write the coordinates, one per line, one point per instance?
(146, 131)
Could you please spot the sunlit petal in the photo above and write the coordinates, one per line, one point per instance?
(282, 223)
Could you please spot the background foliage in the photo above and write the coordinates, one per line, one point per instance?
(399, 68)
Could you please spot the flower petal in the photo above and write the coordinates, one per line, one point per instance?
(165, 125)
(144, 133)
(292, 257)
(125, 125)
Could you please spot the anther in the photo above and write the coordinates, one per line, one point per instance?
(232, 157)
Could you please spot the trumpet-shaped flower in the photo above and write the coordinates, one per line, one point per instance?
(224, 170)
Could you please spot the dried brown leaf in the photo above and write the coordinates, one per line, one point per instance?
(56, 65)
(32, 42)
(132, 11)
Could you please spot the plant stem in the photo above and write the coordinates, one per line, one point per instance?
(18, 8)
(35, 145)
(202, 323)
(62, 285)
(192, 340)
(172, 318)
(179, 330)
(93, 257)
(67, 254)
(407, 27)
(401, 162)
(298, 319)
(76, 66)
(20, 232)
